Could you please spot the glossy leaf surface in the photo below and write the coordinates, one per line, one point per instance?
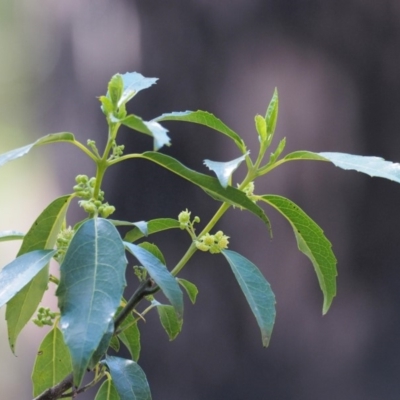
(209, 184)
(160, 274)
(207, 119)
(257, 291)
(133, 82)
(107, 391)
(153, 226)
(52, 138)
(129, 379)
(140, 225)
(312, 242)
(91, 285)
(42, 235)
(19, 272)
(169, 321)
(224, 170)
(52, 364)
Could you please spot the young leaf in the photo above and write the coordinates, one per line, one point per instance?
(107, 391)
(114, 343)
(11, 235)
(18, 273)
(261, 127)
(160, 274)
(91, 285)
(257, 291)
(115, 88)
(134, 83)
(373, 166)
(312, 242)
(271, 116)
(52, 364)
(209, 184)
(171, 324)
(274, 156)
(42, 235)
(153, 249)
(153, 226)
(130, 336)
(129, 379)
(152, 128)
(224, 170)
(191, 289)
(204, 118)
(52, 138)
(304, 155)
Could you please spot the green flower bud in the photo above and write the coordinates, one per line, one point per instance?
(208, 239)
(201, 246)
(184, 217)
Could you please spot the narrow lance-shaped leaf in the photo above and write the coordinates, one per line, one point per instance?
(204, 118)
(52, 138)
(11, 235)
(312, 242)
(209, 184)
(42, 235)
(128, 378)
(191, 289)
(91, 285)
(18, 273)
(271, 116)
(153, 226)
(171, 324)
(224, 170)
(257, 291)
(160, 274)
(107, 391)
(52, 364)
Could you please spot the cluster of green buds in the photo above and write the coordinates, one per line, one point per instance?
(212, 243)
(85, 190)
(249, 190)
(117, 151)
(45, 317)
(62, 243)
(140, 272)
(186, 223)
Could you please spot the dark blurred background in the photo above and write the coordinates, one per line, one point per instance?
(336, 66)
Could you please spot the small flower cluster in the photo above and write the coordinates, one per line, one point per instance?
(185, 223)
(213, 243)
(45, 317)
(62, 243)
(84, 189)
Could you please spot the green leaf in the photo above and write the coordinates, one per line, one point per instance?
(91, 285)
(209, 184)
(373, 166)
(129, 379)
(171, 324)
(11, 235)
(18, 273)
(257, 291)
(134, 83)
(107, 391)
(160, 274)
(140, 225)
(261, 127)
(114, 343)
(52, 138)
(191, 289)
(271, 116)
(153, 249)
(153, 226)
(304, 155)
(115, 89)
(274, 156)
(42, 235)
(224, 170)
(312, 242)
(52, 364)
(152, 128)
(130, 336)
(204, 118)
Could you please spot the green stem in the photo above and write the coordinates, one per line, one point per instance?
(85, 150)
